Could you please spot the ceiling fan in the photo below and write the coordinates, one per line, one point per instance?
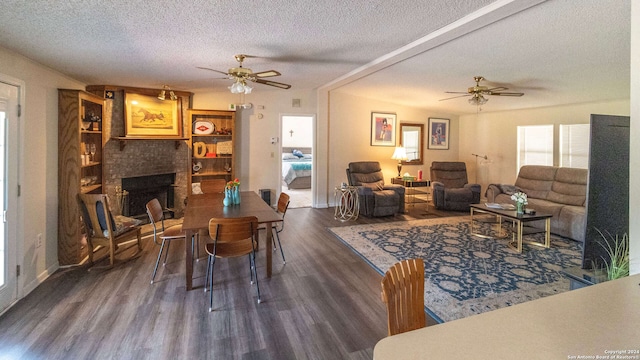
(241, 75)
(478, 91)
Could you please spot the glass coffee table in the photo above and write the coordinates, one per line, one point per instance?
(518, 221)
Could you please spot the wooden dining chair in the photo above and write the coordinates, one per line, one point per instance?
(213, 186)
(231, 237)
(277, 227)
(106, 231)
(403, 293)
(162, 235)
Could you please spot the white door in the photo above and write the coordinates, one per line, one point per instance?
(8, 193)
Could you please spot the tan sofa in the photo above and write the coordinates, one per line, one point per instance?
(552, 190)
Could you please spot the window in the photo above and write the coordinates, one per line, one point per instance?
(574, 145)
(535, 145)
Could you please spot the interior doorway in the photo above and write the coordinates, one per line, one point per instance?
(297, 158)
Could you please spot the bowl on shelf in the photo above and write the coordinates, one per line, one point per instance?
(86, 125)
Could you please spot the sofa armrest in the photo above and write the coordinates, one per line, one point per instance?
(397, 188)
(475, 189)
(437, 184)
(493, 190)
(364, 191)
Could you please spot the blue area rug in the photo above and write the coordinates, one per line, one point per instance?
(465, 275)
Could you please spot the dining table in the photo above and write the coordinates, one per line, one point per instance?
(202, 207)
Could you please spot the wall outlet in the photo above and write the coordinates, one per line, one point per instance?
(38, 240)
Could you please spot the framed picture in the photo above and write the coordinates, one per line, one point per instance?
(438, 134)
(383, 129)
(148, 116)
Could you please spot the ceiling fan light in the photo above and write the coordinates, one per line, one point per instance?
(236, 88)
(172, 95)
(478, 99)
(161, 95)
(247, 89)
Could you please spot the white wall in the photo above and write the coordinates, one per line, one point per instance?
(296, 132)
(258, 162)
(39, 167)
(349, 137)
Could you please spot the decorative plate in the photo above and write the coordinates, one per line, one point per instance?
(202, 127)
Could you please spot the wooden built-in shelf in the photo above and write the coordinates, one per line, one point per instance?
(123, 140)
(89, 188)
(211, 173)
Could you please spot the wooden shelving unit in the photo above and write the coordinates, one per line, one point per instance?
(215, 152)
(75, 131)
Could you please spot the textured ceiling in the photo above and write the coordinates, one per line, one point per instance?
(556, 52)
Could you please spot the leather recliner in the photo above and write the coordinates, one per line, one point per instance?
(451, 190)
(376, 198)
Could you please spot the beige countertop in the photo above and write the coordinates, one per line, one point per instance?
(600, 321)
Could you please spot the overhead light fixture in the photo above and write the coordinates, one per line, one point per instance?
(399, 154)
(478, 100)
(162, 95)
(240, 87)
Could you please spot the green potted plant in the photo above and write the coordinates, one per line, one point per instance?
(617, 249)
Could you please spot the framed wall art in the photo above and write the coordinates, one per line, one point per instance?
(383, 129)
(148, 116)
(438, 134)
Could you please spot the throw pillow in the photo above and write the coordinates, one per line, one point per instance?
(298, 153)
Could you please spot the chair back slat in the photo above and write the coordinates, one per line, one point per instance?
(283, 203)
(225, 230)
(212, 186)
(403, 293)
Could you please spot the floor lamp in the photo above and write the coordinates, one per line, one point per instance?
(476, 172)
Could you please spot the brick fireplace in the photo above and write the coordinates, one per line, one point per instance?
(135, 158)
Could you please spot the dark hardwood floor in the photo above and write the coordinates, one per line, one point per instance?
(324, 303)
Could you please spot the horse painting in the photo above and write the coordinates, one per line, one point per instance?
(149, 116)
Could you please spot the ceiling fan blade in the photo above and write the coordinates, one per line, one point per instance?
(505, 93)
(459, 96)
(272, 83)
(456, 92)
(204, 68)
(499, 88)
(268, 73)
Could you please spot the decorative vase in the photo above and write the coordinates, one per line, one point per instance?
(236, 195)
(227, 198)
(520, 208)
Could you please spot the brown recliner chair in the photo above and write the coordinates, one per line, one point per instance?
(451, 190)
(376, 198)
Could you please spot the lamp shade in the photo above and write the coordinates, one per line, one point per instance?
(399, 154)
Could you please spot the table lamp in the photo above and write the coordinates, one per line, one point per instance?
(399, 154)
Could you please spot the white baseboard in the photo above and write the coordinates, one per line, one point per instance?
(27, 288)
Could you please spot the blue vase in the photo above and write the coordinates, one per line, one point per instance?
(227, 198)
(236, 195)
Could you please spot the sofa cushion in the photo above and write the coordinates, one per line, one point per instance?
(566, 199)
(536, 180)
(451, 174)
(570, 187)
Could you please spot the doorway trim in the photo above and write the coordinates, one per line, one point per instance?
(18, 231)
